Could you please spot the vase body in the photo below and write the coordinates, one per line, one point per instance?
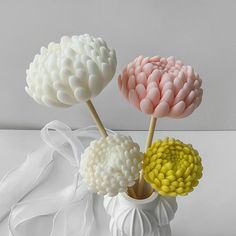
(146, 217)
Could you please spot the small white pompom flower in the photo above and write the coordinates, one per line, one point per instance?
(110, 165)
(74, 70)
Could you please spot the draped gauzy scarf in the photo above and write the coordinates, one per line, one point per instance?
(68, 212)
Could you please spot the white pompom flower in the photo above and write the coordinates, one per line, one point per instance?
(74, 70)
(110, 165)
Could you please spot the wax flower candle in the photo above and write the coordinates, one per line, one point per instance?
(112, 164)
(161, 86)
(74, 70)
(172, 167)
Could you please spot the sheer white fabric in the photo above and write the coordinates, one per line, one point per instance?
(68, 212)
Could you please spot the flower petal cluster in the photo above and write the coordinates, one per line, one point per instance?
(110, 165)
(74, 70)
(172, 167)
(161, 86)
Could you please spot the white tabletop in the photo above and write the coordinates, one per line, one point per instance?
(209, 211)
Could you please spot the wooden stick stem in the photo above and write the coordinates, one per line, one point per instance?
(148, 144)
(96, 118)
(132, 193)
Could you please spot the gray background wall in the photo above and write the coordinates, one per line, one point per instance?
(200, 33)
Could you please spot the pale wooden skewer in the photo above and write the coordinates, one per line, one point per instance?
(148, 144)
(132, 193)
(103, 132)
(96, 118)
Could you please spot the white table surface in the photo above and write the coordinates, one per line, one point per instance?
(209, 211)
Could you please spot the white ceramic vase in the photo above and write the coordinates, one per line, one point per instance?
(146, 217)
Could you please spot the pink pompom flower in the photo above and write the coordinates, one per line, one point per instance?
(161, 86)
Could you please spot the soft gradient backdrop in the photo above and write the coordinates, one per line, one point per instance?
(200, 33)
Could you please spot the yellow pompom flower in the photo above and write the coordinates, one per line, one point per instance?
(171, 167)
